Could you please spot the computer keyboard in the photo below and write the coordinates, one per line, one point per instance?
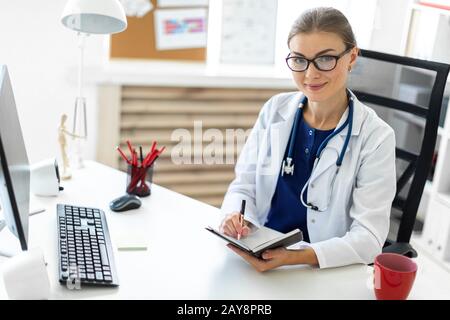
(85, 251)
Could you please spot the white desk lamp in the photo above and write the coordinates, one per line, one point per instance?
(90, 17)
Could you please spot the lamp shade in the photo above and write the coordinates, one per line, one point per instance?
(94, 16)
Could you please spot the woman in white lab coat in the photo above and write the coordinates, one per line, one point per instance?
(343, 214)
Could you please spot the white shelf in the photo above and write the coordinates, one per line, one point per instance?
(139, 72)
(444, 198)
(418, 242)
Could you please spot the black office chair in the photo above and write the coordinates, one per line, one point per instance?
(404, 92)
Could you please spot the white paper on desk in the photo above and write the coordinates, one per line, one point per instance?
(131, 242)
(180, 28)
(182, 3)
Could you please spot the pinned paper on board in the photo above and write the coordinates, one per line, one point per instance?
(180, 28)
(248, 31)
(182, 3)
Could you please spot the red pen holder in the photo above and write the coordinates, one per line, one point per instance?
(139, 180)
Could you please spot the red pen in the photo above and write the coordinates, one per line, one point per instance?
(130, 147)
(150, 159)
(154, 156)
(135, 158)
(147, 157)
(123, 155)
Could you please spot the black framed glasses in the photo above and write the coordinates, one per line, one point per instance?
(322, 63)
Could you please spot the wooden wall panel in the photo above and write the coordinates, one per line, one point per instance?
(153, 113)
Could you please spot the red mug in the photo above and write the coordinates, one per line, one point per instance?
(394, 276)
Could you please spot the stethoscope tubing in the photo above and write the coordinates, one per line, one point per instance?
(348, 122)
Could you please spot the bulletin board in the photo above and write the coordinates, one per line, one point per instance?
(138, 41)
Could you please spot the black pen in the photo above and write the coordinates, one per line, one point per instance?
(241, 217)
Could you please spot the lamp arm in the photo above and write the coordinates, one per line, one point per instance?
(81, 44)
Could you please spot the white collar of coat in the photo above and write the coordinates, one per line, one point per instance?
(288, 109)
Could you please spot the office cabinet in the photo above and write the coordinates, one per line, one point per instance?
(436, 234)
(442, 239)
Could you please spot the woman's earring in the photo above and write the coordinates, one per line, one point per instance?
(349, 69)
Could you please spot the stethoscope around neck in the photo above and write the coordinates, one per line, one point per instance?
(288, 164)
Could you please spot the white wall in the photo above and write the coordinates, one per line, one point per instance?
(42, 58)
(390, 26)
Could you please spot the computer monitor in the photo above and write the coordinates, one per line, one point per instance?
(14, 169)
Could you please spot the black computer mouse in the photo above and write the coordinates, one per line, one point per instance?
(124, 203)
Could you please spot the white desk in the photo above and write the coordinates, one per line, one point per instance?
(184, 261)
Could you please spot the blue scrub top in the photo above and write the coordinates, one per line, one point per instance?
(287, 212)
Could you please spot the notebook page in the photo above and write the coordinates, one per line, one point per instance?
(260, 236)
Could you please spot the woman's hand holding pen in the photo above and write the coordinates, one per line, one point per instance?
(233, 225)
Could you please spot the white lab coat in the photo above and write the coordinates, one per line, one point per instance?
(355, 225)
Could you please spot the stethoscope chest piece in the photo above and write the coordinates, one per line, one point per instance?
(287, 167)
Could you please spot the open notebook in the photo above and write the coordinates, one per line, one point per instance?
(262, 239)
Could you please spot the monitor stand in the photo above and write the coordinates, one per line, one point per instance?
(4, 253)
(3, 225)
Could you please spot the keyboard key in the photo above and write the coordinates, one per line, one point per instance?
(104, 254)
(108, 279)
(99, 276)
